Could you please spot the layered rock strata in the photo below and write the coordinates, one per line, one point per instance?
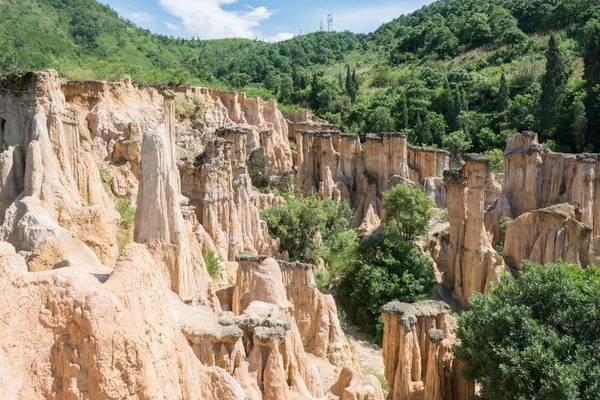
(417, 353)
(426, 163)
(219, 187)
(549, 235)
(70, 336)
(535, 178)
(336, 166)
(472, 262)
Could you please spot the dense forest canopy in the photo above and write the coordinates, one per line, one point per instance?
(458, 74)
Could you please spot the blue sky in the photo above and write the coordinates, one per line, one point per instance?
(264, 19)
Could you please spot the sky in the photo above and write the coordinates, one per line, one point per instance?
(268, 20)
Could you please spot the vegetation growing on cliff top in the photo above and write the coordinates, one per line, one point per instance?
(460, 74)
(537, 337)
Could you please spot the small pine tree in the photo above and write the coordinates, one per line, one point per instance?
(355, 81)
(592, 85)
(553, 86)
(503, 100)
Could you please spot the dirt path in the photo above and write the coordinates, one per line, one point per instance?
(369, 355)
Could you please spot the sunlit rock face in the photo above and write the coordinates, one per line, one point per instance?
(417, 353)
(472, 262)
(535, 178)
(111, 195)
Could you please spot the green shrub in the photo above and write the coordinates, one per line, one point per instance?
(300, 222)
(214, 263)
(385, 267)
(127, 214)
(409, 209)
(496, 157)
(125, 231)
(535, 338)
(388, 266)
(504, 223)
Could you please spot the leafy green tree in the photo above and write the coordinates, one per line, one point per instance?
(383, 268)
(536, 337)
(301, 220)
(496, 157)
(503, 100)
(388, 266)
(238, 80)
(286, 89)
(457, 142)
(379, 120)
(553, 88)
(405, 117)
(408, 210)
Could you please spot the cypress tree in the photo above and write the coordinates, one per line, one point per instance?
(503, 100)
(456, 106)
(426, 130)
(351, 89)
(405, 119)
(553, 86)
(592, 85)
(314, 92)
(419, 127)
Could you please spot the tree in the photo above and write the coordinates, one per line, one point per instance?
(351, 88)
(405, 117)
(355, 80)
(238, 80)
(408, 210)
(457, 142)
(383, 268)
(553, 88)
(286, 89)
(592, 84)
(536, 337)
(300, 222)
(503, 100)
(379, 120)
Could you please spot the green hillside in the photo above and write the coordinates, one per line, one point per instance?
(459, 74)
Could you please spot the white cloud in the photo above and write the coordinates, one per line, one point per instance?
(171, 26)
(281, 36)
(141, 17)
(369, 18)
(208, 20)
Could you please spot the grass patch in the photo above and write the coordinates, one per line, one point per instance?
(214, 263)
(106, 179)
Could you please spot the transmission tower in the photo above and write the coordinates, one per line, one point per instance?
(329, 23)
(321, 29)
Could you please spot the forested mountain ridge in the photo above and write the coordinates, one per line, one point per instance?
(459, 74)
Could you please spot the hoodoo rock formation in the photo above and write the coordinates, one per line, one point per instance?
(547, 236)
(335, 165)
(535, 177)
(89, 315)
(113, 194)
(472, 264)
(417, 353)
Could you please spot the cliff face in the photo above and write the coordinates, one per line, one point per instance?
(472, 262)
(73, 153)
(549, 235)
(417, 353)
(535, 178)
(336, 166)
(113, 340)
